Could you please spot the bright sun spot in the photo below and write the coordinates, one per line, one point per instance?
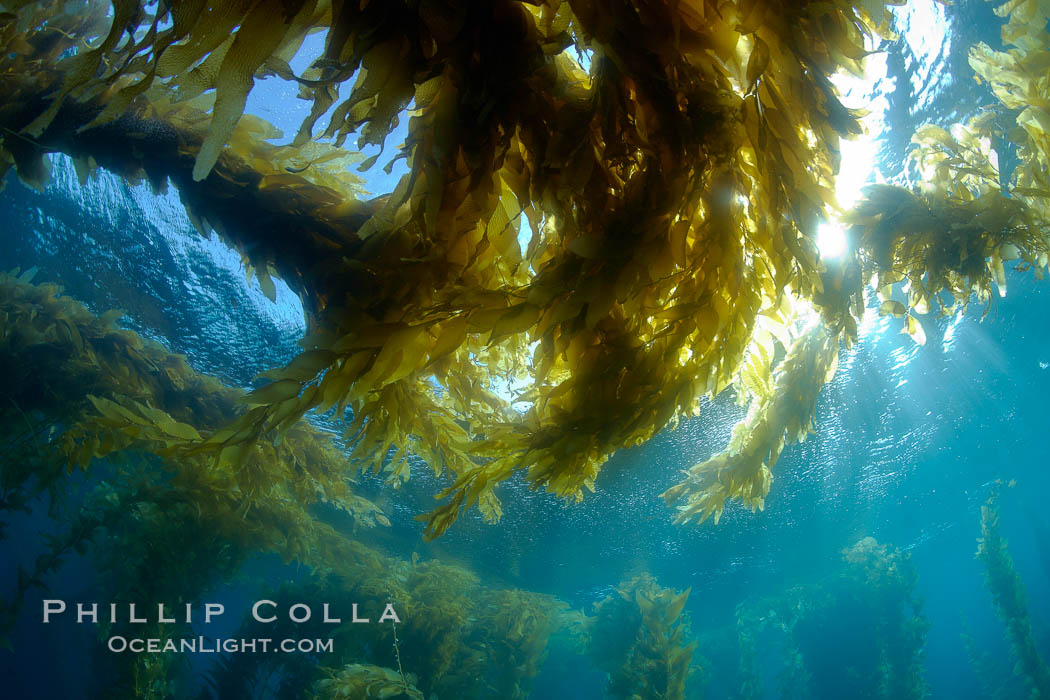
(831, 241)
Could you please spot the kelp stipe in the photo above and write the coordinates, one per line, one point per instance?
(753, 618)
(782, 411)
(991, 677)
(641, 638)
(457, 637)
(888, 579)
(1010, 599)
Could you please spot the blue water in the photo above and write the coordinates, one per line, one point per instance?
(909, 439)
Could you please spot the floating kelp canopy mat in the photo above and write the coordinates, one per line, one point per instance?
(670, 188)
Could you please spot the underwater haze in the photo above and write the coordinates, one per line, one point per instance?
(860, 577)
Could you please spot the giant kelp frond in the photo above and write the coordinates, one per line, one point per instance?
(515, 634)
(289, 211)
(75, 538)
(108, 392)
(1011, 604)
(218, 45)
(754, 619)
(782, 412)
(949, 242)
(157, 542)
(456, 637)
(887, 579)
(952, 237)
(108, 389)
(1019, 79)
(640, 637)
(672, 192)
(96, 390)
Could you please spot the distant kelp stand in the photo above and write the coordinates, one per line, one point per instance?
(668, 163)
(1010, 600)
(641, 638)
(96, 389)
(77, 388)
(164, 522)
(457, 637)
(860, 626)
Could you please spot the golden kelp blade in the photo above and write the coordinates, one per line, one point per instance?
(744, 470)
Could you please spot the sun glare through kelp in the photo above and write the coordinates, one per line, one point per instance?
(831, 241)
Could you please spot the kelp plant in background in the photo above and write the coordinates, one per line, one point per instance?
(641, 638)
(867, 609)
(175, 528)
(462, 639)
(1011, 604)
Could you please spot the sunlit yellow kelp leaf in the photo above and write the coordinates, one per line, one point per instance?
(957, 233)
(950, 241)
(783, 415)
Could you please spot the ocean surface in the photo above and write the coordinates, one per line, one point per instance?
(909, 439)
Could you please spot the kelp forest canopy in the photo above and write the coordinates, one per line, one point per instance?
(669, 164)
